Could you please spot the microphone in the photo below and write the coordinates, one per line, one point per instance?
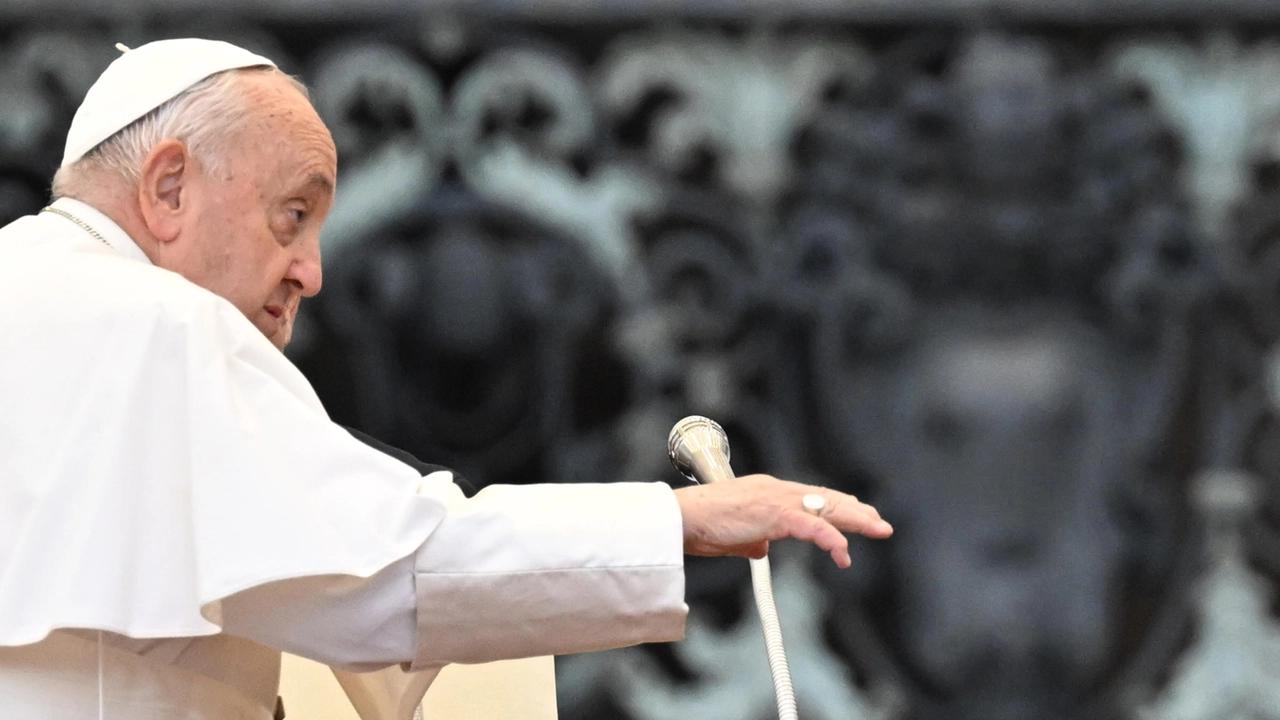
(699, 450)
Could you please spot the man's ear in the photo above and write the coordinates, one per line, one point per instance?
(164, 188)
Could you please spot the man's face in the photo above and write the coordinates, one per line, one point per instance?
(255, 233)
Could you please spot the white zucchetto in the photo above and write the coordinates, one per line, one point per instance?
(143, 79)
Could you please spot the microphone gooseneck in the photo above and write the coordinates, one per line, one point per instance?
(699, 450)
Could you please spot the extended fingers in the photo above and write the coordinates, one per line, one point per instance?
(848, 514)
(739, 518)
(818, 531)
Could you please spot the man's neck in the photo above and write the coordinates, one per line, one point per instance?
(126, 215)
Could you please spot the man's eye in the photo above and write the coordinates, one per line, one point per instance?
(297, 214)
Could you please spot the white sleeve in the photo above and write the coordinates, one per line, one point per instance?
(517, 571)
(347, 622)
(522, 571)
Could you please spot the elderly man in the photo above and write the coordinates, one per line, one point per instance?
(176, 508)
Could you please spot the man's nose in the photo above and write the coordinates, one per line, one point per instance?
(305, 269)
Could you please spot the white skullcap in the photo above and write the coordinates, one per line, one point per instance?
(142, 80)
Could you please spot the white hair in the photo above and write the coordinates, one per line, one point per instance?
(206, 117)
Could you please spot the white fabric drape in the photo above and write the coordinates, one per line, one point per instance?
(159, 454)
(165, 472)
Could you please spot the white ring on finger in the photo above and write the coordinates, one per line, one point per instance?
(814, 504)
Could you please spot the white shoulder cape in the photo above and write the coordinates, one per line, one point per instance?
(158, 454)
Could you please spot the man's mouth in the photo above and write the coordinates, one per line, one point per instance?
(275, 311)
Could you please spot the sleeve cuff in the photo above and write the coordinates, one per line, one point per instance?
(522, 571)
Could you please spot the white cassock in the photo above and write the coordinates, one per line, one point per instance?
(176, 509)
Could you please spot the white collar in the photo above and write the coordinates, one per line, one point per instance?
(112, 234)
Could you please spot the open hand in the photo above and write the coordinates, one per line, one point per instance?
(741, 516)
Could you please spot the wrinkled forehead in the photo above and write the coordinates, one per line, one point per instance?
(287, 134)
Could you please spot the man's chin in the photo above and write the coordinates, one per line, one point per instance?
(277, 330)
(282, 336)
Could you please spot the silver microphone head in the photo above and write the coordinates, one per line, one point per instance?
(699, 449)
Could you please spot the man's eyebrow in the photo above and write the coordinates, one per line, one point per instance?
(319, 182)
